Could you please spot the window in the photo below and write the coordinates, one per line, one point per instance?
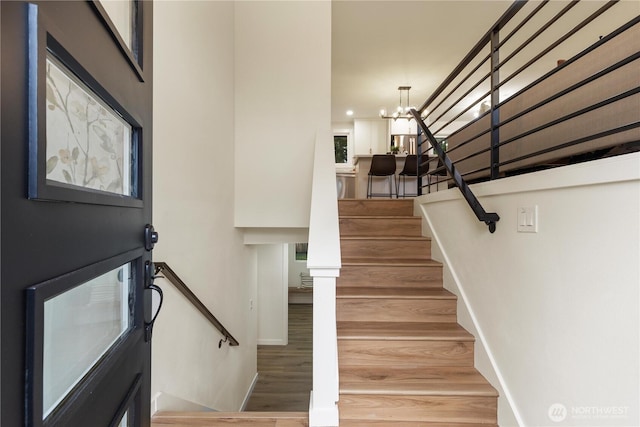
(340, 146)
(343, 147)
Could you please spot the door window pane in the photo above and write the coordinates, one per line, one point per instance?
(89, 144)
(80, 325)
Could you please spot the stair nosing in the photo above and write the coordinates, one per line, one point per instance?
(392, 237)
(390, 262)
(411, 218)
(478, 393)
(397, 337)
(448, 334)
(370, 293)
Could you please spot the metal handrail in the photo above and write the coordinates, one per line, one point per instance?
(489, 218)
(171, 276)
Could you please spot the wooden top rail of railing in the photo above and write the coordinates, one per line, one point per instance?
(171, 276)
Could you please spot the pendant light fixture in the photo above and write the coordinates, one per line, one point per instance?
(402, 112)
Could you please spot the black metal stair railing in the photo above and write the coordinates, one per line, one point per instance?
(550, 84)
(489, 218)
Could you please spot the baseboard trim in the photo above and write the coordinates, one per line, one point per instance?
(247, 396)
(481, 337)
(166, 402)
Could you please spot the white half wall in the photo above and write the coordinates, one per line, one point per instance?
(193, 193)
(273, 310)
(282, 97)
(557, 311)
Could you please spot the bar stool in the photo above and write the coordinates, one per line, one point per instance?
(382, 165)
(410, 169)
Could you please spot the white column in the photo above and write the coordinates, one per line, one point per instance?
(324, 262)
(323, 408)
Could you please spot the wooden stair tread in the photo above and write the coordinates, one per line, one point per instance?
(257, 419)
(436, 381)
(391, 262)
(393, 293)
(397, 423)
(393, 331)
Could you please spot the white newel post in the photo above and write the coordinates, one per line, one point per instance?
(324, 262)
(323, 408)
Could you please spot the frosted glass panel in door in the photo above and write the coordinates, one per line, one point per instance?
(80, 326)
(89, 144)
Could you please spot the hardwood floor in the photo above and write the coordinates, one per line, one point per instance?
(285, 372)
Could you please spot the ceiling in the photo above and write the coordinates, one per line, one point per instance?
(380, 45)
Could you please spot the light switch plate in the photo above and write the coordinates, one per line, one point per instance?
(528, 219)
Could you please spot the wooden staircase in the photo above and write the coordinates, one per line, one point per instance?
(403, 359)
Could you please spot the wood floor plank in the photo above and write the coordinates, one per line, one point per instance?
(285, 372)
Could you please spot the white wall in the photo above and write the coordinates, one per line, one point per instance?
(273, 310)
(283, 95)
(193, 192)
(558, 310)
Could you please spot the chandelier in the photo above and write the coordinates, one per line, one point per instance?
(403, 110)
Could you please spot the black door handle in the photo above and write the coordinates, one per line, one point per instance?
(150, 237)
(149, 277)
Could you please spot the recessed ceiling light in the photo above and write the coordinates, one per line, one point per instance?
(349, 112)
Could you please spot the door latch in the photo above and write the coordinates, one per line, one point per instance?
(150, 237)
(149, 277)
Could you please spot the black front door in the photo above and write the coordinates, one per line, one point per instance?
(76, 100)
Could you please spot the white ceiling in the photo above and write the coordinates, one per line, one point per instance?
(380, 45)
